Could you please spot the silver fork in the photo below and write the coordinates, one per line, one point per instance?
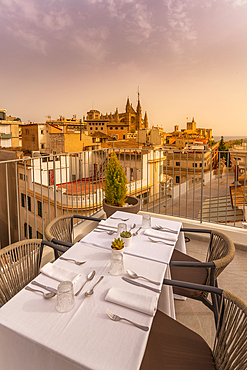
(79, 263)
(118, 318)
(160, 241)
(119, 218)
(163, 228)
(109, 232)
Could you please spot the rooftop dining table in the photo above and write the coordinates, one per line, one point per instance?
(35, 336)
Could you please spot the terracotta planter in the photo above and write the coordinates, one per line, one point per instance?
(133, 208)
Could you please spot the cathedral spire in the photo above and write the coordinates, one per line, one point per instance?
(139, 112)
(145, 122)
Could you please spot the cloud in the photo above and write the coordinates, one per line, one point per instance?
(237, 3)
(56, 21)
(92, 43)
(180, 24)
(30, 40)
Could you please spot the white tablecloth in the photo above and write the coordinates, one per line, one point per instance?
(34, 336)
(140, 244)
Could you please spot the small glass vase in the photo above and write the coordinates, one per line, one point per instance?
(117, 263)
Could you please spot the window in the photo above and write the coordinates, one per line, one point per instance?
(102, 128)
(23, 200)
(177, 163)
(30, 231)
(29, 203)
(96, 128)
(177, 179)
(39, 208)
(110, 128)
(42, 132)
(42, 146)
(121, 128)
(194, 164)
(116, 128)
(39, 235)
(23, 177)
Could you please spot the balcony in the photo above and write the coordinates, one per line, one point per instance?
(35, 190)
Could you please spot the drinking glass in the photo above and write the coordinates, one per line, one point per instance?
(65, 296)
(121, 227)
(146, 221)
(117, 262)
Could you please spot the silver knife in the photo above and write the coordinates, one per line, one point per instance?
(141, 285)
(50, 289)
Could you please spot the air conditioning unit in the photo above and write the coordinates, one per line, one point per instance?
(35, 153)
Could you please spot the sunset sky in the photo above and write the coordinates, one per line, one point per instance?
(65, 57)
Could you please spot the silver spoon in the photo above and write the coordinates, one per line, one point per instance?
(91, 291)
(136, 232)
(89, 277)
(132, 226)
(46, 295)
(133, 275)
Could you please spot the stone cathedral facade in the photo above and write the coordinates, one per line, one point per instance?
(117, 124)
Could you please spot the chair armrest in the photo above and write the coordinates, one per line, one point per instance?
(54, 246)
(87, 218)
(192, 264)
(203, 288)
(187, 230)
(60, 242)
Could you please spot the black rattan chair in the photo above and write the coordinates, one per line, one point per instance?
(60, 229)
(19, 264)
(172, 345)
(221, 251)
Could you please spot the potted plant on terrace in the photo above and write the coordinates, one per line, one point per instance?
(116, 191)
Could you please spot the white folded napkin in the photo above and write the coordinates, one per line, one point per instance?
(108, 223)
(135, 301)
(161, 235)
(59, 273)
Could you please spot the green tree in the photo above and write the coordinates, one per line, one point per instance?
(224, 153)
(115, 182)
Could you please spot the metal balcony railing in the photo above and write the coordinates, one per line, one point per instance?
(206, 186)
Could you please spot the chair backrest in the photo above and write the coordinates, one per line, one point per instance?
(19, 264)
(60, 228)
(230, 347)
(221, 251)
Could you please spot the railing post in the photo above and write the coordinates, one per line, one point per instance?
(7, 195)
(202, 180)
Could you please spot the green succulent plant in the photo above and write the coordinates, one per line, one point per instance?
(117, 244)
(125, 234)
(115, 182)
